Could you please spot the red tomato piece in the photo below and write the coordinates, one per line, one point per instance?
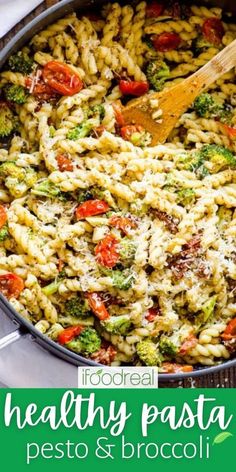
(231, 131)
(166, 42)
(106, 251)
(190, 343)
(154, 9)
(152, 314)
(62, 78)
(64, 163)
(213, 30)
(128, 87)
(123, 223)
(172, 368)
(11, 285)
(40, 89)
(69, 333)
(3, 216)
(230, 330)
(97, 306)
(117, 107)
(91, 208)
(128, 130)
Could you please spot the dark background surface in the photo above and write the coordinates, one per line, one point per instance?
(227, 377)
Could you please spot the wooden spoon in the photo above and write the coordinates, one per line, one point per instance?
(176, 100)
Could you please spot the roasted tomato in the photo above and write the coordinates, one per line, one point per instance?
(230, 330)
(231, 131)
(128, 87)
(172, 368)
(123, 223)
(152, 314)
(39, 89)
(69, 333)
(154, 9)
(11, 285)
(188, 344)
(97, 305)
(117, 107)
(3, 216)
(64, 163)
(213, 30)
(106, 251)
(62, 78)
(91, 208)
(166, 42)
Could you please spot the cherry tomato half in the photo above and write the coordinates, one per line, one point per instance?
(128, 87)
(64, 163)
(166, 42)
(97, 306)
(62, 78)
(230, 330)
(69, 333)
(11, 285)
(152, 314)
(213, 30)
(3, 216)
(123, 223)
(154, 9)
(188, 344)
(91, 208)
(172, 368)
(231, 131)
(106, 251)
(128, 130)
(40, 89)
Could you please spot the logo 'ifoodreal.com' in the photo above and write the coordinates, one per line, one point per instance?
(117, 377)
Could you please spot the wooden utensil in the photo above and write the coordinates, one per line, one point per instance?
(176, 100)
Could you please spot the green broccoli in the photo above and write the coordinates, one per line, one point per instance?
(166, 346)
(45, 188)
(122, 279)
(186, 196)
(77, 306)
(16, 94)
(86, 343)
(200, 44)
(148, 353)
(97, 110)
(208, 308)
(157, 72)
(21, 62)
(117, 324)
(127, 250)
(4, 234)
(17, 179)
(7, 120)
(84, 195)
(207, 107)
(218, 156)
(194, 161)
(80, 131)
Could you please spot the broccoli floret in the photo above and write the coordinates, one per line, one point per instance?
(7, 120)
(80, 131)
(194, 162)
(148, 353)
(186, 196)
(205, 106)
(200, 44)
(45, 188)
(117, 324)
(77, 306)
(127, 250)
(84, 195)
(122, 279)
(157, 72)
(166, 346)
(16, 94)
(218, 156)
(97, 110)
(51, 288)
(208, 308)
(4, 233)
(86, 343)
(21, 62)
(9, 168)
(17, 179)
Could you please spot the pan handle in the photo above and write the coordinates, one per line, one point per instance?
(11, 338)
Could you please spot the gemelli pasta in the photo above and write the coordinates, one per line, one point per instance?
(121, 252)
